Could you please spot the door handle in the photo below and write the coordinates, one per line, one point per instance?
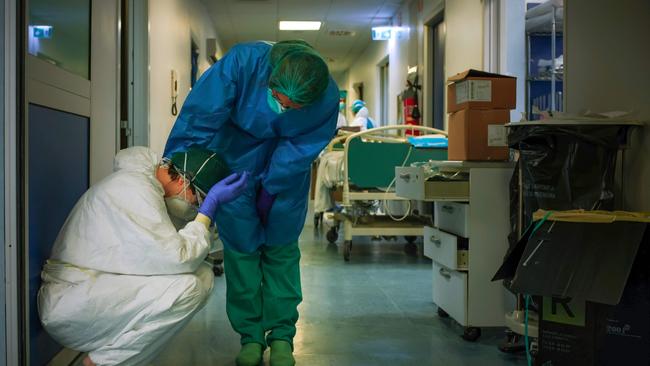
(448, 209)
(445, 273)
(405, 176)
(435, 241)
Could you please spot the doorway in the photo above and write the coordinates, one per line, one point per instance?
(383, 91)
(134, 79)
(437, 35)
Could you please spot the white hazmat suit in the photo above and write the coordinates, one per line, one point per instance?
(122, 280)
(341, 121)
(362, 120)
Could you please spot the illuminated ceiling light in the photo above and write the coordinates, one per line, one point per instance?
(299, 25)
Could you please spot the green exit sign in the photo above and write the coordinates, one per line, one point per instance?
(42, 31)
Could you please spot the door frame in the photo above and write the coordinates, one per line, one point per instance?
(56, 88)
(383, 68)
(13, 100)
(429, 92)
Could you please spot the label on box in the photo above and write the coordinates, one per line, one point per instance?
(474, 91)
(497, 136)
(564, 311)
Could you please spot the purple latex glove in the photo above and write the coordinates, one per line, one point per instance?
(224, 191)
(264, 203)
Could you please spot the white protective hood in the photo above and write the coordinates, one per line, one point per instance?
(121, 225)
(361, 119)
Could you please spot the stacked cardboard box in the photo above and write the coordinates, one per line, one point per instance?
(479, 104)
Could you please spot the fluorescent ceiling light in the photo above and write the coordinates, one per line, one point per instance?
(299, 25)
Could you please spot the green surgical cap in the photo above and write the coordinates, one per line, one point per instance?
(298, 71)
(202, 167)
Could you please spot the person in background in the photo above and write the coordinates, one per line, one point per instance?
(342, 121)
(269, 109)
(121, 280)
(361, 118)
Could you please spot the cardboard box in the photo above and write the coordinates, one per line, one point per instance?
(473, 89)
(567, 332)
(478, 135)
(576, 332)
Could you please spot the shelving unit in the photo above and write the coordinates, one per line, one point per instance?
(544, 40)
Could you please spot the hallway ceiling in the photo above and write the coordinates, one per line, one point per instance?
(248, 20)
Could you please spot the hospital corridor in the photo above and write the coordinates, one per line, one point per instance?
(325, 182)
(362, 314)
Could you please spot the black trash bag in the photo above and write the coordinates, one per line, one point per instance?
(513, 237)
(567, 167)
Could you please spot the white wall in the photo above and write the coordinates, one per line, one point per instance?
(464, 49)
(512, 49)
(104, 118)
(365, 70)
(403, 51)
(606, 67)
(173, 23)
(464, 42)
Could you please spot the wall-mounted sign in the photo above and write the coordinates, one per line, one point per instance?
(382, 33)
(42, 31)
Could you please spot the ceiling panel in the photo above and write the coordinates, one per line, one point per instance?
(248, 20)
(248, 7)
(303, 10)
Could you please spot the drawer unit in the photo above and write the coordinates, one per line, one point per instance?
(446, 249)
(410, 182)
(450, 292)
(452, 217)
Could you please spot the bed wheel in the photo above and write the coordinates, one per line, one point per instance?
(411, 248)
(318, 219)
(347, 248)
(332, 235)
(471, 334)
(217, 269)
(441, 313)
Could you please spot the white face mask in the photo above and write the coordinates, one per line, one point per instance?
(179, 207)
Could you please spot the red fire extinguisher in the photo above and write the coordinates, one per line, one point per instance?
(411, 111)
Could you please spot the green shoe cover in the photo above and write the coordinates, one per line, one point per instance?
(282, 354)
(250, 355)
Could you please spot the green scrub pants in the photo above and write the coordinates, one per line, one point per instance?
(263, 293)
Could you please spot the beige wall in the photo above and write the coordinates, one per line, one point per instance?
(402, 51)
(607, 48)
(464, 49)
(104, 117)
(464, 42)
(173, 23)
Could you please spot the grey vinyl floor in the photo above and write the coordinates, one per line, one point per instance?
(374, 310)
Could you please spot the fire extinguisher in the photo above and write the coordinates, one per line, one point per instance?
(411, 111)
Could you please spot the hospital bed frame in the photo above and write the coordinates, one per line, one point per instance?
(369, 162)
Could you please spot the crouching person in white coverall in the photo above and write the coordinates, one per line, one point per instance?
(122, 280)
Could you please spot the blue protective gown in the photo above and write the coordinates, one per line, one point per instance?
(227, 111)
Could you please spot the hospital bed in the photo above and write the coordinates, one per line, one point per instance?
(367, 175)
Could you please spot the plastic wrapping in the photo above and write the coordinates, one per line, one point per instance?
(567, 167)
